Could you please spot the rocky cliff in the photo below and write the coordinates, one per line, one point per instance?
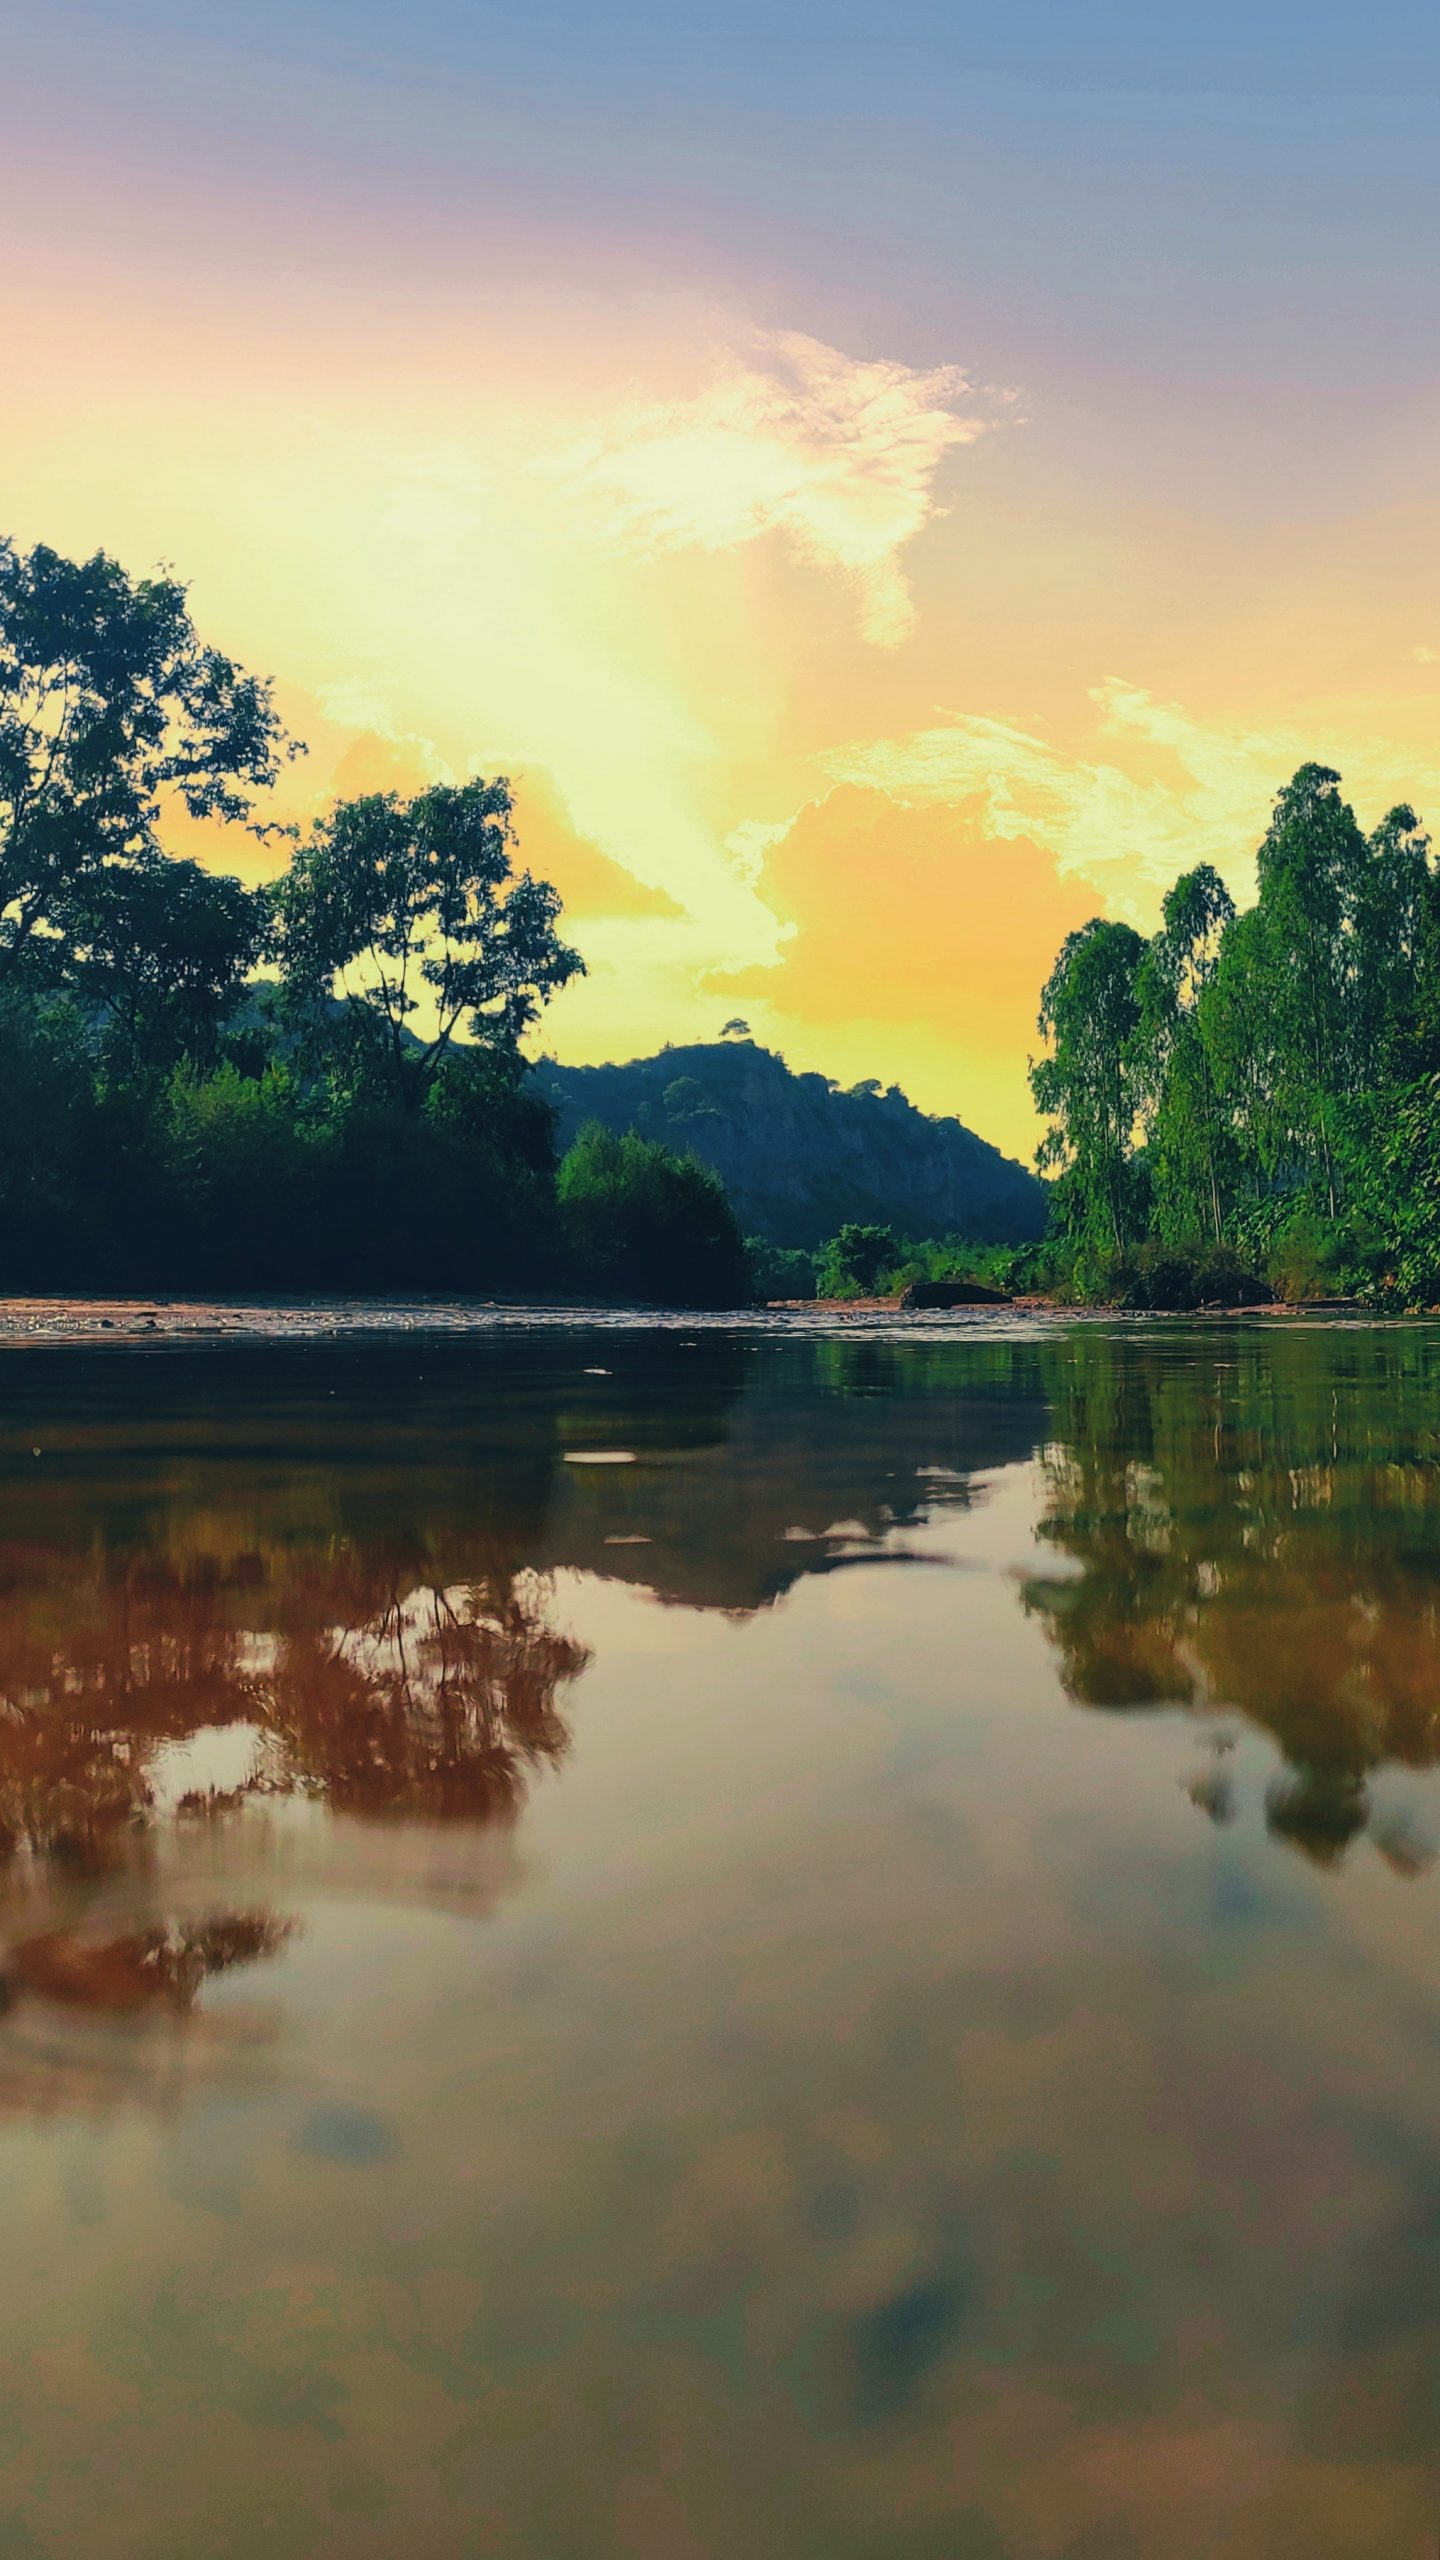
(800, 1155)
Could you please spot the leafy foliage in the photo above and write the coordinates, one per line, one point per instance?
(111, 711)
(851, 1264)
(641, 1221)
(394, 903)
(364, 1120)
(1256, 1086)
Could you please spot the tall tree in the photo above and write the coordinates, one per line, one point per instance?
(1310, 869)
(1189, 1147)
(111, 710)
(412, 907)
(1090, 1086)
(1394, 950)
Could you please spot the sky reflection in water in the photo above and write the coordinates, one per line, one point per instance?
(864, 1982)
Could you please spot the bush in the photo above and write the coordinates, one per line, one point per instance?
(778, 1270)
(1175, 1279)
(851, 1264)
(640, 1221)
(1311, 1257)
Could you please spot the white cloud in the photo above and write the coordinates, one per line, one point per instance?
(836, 455)
(751, 841)
(1175, 790)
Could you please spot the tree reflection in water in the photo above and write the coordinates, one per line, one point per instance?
(344, 1563)
(1255, 1519)
(162, 1967)
(379, 1696)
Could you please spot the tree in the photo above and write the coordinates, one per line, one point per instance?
(735, 1029)
(111, 711)
(160, 950)
(1187, 1137)
(1090, 1086)
(852, 1262)
(395, 903)
(1395, 950)
(1310, 871)
(640, 1221)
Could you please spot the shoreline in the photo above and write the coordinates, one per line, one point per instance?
(154, 1321)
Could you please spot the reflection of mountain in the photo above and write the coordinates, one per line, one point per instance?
(1257, 1525)
(336, 1560)
(232, 1577)
(829, 1445)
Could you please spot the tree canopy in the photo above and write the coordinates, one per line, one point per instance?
(1259, 1082)
(111, 710)
(393, 904)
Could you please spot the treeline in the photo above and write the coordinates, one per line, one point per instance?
(314, 1084)
(1251, 1101)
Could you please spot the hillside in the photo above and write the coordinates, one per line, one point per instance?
(799, 1155)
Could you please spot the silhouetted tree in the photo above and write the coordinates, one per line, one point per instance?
(397, 904)
(160, 951)
(111, 710)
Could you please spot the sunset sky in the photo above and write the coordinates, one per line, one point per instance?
(888, 482)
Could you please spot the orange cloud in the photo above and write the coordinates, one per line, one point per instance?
(550, 844)
(915, 916)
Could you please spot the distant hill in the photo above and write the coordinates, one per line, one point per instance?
(799, 1155)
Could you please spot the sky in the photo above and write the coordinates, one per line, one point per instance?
(886, 482)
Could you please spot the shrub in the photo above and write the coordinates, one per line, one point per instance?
(640, 1221)
(851, 1264)
(1175, 1279)
(778, 1270)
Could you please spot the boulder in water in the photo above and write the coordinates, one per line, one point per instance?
(952, 1293)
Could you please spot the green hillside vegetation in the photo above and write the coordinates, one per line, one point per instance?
(800, 1156)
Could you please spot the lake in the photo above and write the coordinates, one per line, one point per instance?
(701, 1943)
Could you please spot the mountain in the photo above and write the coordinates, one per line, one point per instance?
(800, 1155)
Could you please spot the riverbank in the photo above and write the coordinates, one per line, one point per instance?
(142, 1322)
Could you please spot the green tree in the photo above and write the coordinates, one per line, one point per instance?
(398, 904)
(640, 1221)
(1188, 1142)
(1091, 1085)
(850, 1265)
(159, 952)
(1394, 951)
(111, 711)
(1311, 872)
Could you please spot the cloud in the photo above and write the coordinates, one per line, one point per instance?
(836, 455)
(1174, 791)
(908, 914)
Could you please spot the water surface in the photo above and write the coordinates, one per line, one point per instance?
(687, 1942)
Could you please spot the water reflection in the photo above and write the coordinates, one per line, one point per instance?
(346, 1565)
(561, 2009)
(346, 1680)
(331, 1575)
(1252, 1523)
